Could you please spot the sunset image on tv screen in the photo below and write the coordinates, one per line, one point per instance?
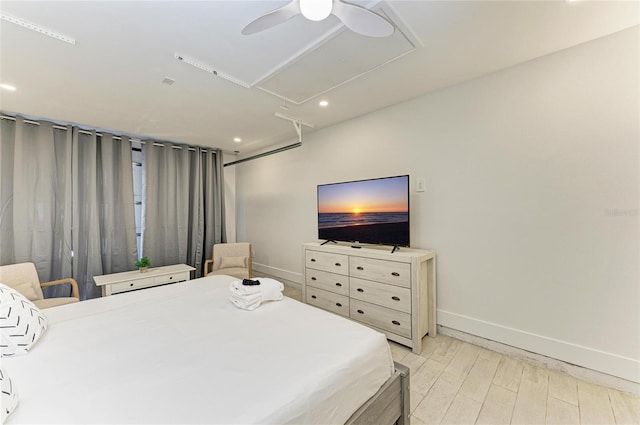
(368, 211)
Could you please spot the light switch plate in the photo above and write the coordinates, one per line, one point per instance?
(420, 183)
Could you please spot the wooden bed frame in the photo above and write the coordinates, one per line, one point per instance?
(390, 405)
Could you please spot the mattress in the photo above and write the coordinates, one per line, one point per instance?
(183, 353)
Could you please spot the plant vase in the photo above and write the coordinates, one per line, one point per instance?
(144, 269)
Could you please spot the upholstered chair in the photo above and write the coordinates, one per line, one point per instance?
(233, 259)
(24, 278)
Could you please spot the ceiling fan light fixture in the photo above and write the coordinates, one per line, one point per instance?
(358, 19)
(316, 10)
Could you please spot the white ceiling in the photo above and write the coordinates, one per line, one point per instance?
(112, 77)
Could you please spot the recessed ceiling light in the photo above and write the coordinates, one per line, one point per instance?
(237, 139)
(8, 87)
(323, 103)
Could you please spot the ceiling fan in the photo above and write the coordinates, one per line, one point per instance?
(357, 18)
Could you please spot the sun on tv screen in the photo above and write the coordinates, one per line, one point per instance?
(374, 211)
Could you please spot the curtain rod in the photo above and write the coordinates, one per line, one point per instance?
(59, 127)
(263, 154)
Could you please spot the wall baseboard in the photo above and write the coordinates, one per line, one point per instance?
(581, 362)
(294, 279)
(553, 353)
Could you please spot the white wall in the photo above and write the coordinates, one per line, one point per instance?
(531, 203)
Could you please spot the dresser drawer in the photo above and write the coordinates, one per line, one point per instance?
(333, 282)
(381, 317)
(171, 278)
(326, 300)
(327, 261)
(385, 271)
(391, 296)
(131, 285)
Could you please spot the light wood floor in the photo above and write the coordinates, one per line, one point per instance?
(454, 382)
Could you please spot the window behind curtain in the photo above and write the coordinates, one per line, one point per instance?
(138, 192)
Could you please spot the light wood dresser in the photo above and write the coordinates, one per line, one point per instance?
(393, 293)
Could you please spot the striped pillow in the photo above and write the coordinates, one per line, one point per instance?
(21, 322)
(9, 397)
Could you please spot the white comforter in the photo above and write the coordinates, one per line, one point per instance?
(183, 353)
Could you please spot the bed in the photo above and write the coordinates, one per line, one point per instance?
(183, 353)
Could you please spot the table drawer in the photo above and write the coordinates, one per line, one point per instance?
(171, 278)
(391, 296)
(385, 271)
(334, 263)
(326, 300)
(333, 282)
(381, 317)
(131, 285)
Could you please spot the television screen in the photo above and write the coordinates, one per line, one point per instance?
(374, 211)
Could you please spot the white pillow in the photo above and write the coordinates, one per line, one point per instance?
(9, 398)
(229, 262)
(22, 322)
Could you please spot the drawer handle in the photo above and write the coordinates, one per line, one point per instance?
(171, 278)
(360, 311)
(313, 260)
(131, 284)
(338, 284)
(338, 265)
(313, 278)
(360, 290)
(360, 268)
(395, 322)
(313, 296)
(396, 274)
(339, 305)
(395, 298)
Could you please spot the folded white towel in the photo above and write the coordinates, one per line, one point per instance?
(246, 303)
(252, 303)
(238, 288)
(250, 297)
(268, 287)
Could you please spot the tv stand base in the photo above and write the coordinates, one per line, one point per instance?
(327, 241)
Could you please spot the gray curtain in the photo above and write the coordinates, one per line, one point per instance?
(35, 182)
(66, 203)
(184, 204)
(213, 193)
(104, 234)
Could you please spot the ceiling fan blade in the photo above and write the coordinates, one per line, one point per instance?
(361, 20)
(273, 18)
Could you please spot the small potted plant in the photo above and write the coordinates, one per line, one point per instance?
(143, 264)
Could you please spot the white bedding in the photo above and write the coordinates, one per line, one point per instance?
(183, 353)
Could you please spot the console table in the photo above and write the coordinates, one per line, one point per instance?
(394, 293)
(130, 281)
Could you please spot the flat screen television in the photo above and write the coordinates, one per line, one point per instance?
(374, 211)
